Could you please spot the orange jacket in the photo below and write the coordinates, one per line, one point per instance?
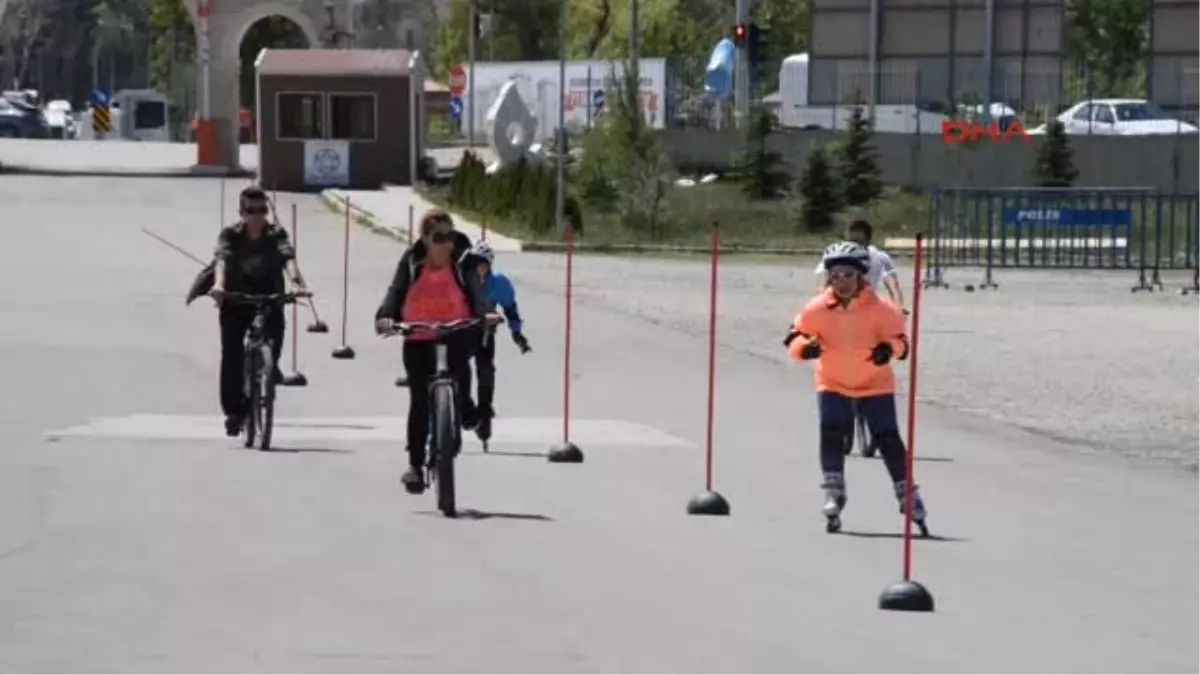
(846, 336)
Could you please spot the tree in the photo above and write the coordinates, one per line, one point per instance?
(858, 161)
(22, 28)
(1054, 166)
(819, 188)
(1110, 39)
(762, 170)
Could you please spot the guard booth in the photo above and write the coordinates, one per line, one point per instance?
(339, 118)
(143, 115)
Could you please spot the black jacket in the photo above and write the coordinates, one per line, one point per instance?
(409, 268)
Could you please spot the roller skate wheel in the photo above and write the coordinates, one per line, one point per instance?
(833, 524)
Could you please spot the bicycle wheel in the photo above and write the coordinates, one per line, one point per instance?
(866, 444)
(445, 426)
(265, 408)
(252, 392)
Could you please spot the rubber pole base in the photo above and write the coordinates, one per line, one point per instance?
(296, 379)
(318, 327)
(402, 381)
(565, 453)
(708, 503)
(345, 352)
(906, 596)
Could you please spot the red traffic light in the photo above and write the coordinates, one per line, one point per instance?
(739, 32)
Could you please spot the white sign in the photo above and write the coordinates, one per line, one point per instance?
(327, 163)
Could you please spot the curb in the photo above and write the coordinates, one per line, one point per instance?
(365, 218)
(194, 172)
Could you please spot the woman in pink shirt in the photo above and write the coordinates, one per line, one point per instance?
(432, 283)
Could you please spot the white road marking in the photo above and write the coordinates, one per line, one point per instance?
(506, 431)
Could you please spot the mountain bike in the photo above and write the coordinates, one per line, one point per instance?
(445, 427)
(259, 365)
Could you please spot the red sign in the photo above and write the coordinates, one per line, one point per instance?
(969, 131)
(458, 80)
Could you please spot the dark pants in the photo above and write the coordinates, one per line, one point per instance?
(837, 422)
(420, 365)
(235, 323)
(485, 370)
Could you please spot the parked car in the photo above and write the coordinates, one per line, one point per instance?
(59, 119)
(1119, 117)
(21, 120)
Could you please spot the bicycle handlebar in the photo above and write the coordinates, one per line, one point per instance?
(439, 328)
(265, 298)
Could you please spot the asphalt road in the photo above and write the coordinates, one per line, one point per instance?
(135, 538)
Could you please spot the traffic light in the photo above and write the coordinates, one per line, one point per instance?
(739, 34)
(756, 49)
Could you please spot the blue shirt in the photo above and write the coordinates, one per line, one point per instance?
(501, 292)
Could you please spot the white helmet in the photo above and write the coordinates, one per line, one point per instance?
(847, 253)
(483, 251)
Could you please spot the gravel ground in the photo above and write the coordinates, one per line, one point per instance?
(1074, 356)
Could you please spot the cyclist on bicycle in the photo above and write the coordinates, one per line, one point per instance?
(252, 256)
(433, 283)
(881, 269)
(852, 336)
(500, 292)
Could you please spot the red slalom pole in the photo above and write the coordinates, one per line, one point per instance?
(908, 595)
(709, 502)
(411, 216)
(483, 230)
(345, 351)
(566, 452)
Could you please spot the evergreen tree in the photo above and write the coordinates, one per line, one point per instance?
(819, 188)
(859, 163)
(762, 169)
(1054, 166)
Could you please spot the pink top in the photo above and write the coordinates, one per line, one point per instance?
(434, 297)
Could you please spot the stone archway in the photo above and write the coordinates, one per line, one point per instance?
(228, 23)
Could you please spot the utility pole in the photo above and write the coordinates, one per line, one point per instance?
(472, 28)
(741, 93)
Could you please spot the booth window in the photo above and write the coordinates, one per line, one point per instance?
(150, 115)
(300, 116)
(352, 117)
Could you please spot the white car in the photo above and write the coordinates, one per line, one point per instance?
(1119, 117)
(60, 119)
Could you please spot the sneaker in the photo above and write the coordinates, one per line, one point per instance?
(484, 429)
(233, 425)
(470, 417)
(413, 481)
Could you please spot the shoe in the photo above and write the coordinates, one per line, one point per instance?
(470, 417)
(233, 425)
(414, 481)
(484, 429)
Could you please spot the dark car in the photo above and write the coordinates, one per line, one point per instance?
(20, 120)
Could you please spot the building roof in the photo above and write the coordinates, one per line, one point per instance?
(336, 62)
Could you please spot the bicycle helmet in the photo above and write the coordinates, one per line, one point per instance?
(482, 250)
(847, 253)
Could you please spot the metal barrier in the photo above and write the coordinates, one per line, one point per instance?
(1051, 228)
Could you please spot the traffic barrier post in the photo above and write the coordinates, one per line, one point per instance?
(567, 452)
(344, 351)
(709, 502)
(908, 595)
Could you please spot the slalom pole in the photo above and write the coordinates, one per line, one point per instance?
(710, 502)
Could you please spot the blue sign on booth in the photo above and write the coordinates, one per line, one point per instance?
(598, 100)
(101, 97)
(456, 107)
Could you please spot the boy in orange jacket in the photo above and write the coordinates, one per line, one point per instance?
(852, 335)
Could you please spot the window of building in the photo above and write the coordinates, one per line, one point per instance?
(150, 115)
(352, 117)
(300, 116)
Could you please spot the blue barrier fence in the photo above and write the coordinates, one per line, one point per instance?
(1139, 230)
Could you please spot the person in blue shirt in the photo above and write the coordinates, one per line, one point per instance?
(500, 293)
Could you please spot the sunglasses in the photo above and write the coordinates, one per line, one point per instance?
(845, 275)
(442, 237)
(256, 210)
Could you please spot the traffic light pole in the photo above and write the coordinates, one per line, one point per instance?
(741, 95)
(472, 19)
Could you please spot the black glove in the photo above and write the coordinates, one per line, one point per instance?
(522, 343)
(881, 354)
(792, 335)
(810, 351)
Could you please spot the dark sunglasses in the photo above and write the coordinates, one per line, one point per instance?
(843, 274)
(256, 210)
(442, 237)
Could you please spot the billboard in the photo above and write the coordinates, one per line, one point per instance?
(934, 51)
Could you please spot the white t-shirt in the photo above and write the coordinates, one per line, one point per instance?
(881, 266)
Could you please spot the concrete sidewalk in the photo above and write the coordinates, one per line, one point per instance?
(396, 211)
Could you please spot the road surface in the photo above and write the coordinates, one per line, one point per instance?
(135, 538)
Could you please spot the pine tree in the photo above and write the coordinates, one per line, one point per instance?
(819, 188)
(1054, 166)
(762, 170)
(859, 163)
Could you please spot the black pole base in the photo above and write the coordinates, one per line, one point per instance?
(343, 352)
(296, 379)
(708, 503)
(318, 327)
(906, 596)
(565, 453)
(402, 381)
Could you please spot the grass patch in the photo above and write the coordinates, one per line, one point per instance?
(688, 214)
